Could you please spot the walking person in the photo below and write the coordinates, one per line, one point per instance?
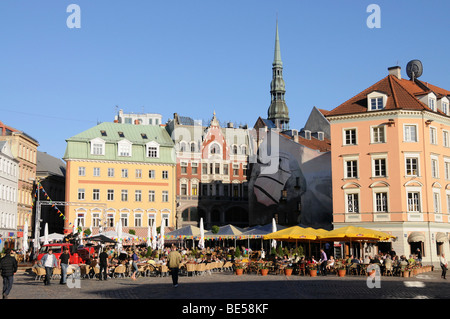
(49, 261)
(134, 266)
(64, 264)
(444, 265)
(173, 262)
(104, 264)
(8, 267)
(323, 262)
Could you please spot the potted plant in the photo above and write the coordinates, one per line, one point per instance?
(263, 269)
(239, 269)
(288, 270)
(340, 268)
(312, 269)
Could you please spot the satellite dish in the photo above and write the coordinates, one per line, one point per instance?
(414, 69)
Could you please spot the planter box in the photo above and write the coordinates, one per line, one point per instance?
(239, 272)
(288, 272)
(264, 272)
(342, 272)
(313, 273)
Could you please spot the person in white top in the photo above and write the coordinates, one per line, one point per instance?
(49, 261)
(444, 265)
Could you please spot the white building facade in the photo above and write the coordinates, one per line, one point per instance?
(9, 178)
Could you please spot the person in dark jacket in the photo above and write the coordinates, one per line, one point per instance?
(8, 267)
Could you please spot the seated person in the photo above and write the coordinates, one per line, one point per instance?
(330, 263)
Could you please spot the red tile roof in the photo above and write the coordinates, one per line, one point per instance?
(402, 94)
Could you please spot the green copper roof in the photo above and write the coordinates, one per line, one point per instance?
(78, 146)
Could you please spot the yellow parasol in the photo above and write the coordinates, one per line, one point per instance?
(295, 233)
(354, 233)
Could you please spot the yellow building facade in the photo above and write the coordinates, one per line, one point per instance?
(120, 172)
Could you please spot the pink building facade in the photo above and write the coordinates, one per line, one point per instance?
(391, 164)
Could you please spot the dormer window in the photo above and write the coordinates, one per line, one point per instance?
(376, 101)
(443, 104)
(152, 149)
(121, 134)
(432, 104)
(124, 148)
(97, 146)
(307, 134)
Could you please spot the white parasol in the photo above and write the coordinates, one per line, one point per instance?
(274, 229)
(201, 242)
(25, 237)
(46, 234)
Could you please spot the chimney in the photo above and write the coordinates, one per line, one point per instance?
(395, 70)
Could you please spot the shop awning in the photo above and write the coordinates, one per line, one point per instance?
(415, 237)
(441, 237)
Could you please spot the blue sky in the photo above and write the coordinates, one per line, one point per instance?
(192, 57)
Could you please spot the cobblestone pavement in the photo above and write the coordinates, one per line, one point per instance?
(228, 286)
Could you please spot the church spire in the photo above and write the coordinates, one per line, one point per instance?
(278, 111)
(277, 54)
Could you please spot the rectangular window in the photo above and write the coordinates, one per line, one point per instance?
(152, 152)
(151, 174)
(110, 220)
(124, 219)
(379, 167)
(225, 169)
(194, 167)
(81, 171)
(434, 168)
(183, 166)
(445, 140)
(138, 196)
(124, 172)
(412, 167)
(413, 202)
(124, 149)
(235, 169)
(410, 133)
(96, 220)
(445, 108)
(110, 172)
(124, 195)
(110, 195)
(351, 169)
(138, 220)
(217, 168)
(165, 174)
(138, 173)
(376, 103)
(381, 202)
(81, 194)
(378, 134)
(96, 194)
(437, 202)
(353, 203)
(97, 149)
(97, 171)
(433, 136)
(204, 169)
(194, 190)
(165, 196)
(350, 137)
(183, 189)
(447, 170)
(151, 196)
(432, 104)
